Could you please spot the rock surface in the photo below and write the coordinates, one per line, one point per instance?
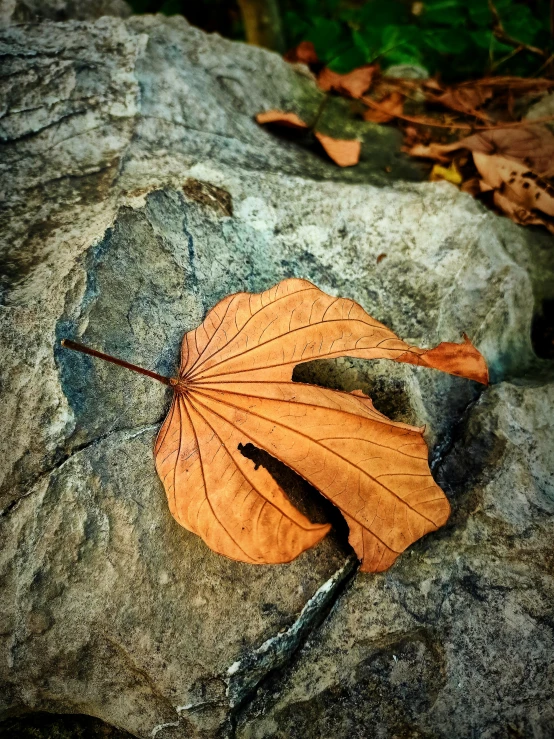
(25, 11)
(138, 192)
(453, 641)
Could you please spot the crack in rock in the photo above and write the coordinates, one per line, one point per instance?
(69, 455)
(444, 448)
(161, 727)
(244, 675)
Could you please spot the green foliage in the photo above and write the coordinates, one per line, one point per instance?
(453, 37)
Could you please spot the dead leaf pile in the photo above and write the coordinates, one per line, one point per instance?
(235, 387)
(469, 132)
(513, 165)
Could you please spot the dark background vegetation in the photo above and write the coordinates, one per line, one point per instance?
(455, 38)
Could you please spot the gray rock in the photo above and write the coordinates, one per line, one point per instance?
(25, 11)
(454, 640)
(407, 71)
(138, 191)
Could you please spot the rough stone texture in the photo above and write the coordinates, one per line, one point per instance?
(137, 192)
(454, 640)
(25, 11)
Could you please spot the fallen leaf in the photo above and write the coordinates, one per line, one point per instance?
(472, 186)
(520, 193)
(435, 151)
(466, 99)
(522, 85)
(518, 213)
(353, 84)
(433, 85)
(289, 120)
(395, 111)
(388, 108)
(235, 387)
(532, 146)
(450, 174)
(345, 153)
(304, 53)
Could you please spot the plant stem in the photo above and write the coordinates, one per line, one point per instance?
(262, 23)
(68, 344)
(501, 35)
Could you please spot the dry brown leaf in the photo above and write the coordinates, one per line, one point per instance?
(466, 99)
(304, 53)
(522, 85)
(472, 186)
(345, 153)
(235, 387)
(519, 193)
(437, 152)
(532, 146)
(519, 214)
(390, 107)
(421, 120)
(353, 84)
(289, 120)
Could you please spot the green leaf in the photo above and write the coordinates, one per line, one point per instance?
(401, 45)
(480, 13)
(484, 39)
(447, 41)
(445, 13)
(500, 49)
(377, 13)
(368, 40)
(520, 23)
(328, 37)
(402, 55)
(363, 45)
(347, 60)
(296, 26)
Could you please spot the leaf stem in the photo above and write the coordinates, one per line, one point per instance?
(68, 344)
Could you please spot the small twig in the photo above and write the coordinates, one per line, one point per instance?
(68, 344)
(547, 62)
(506, 58)
(491, 54)
(501, 35)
